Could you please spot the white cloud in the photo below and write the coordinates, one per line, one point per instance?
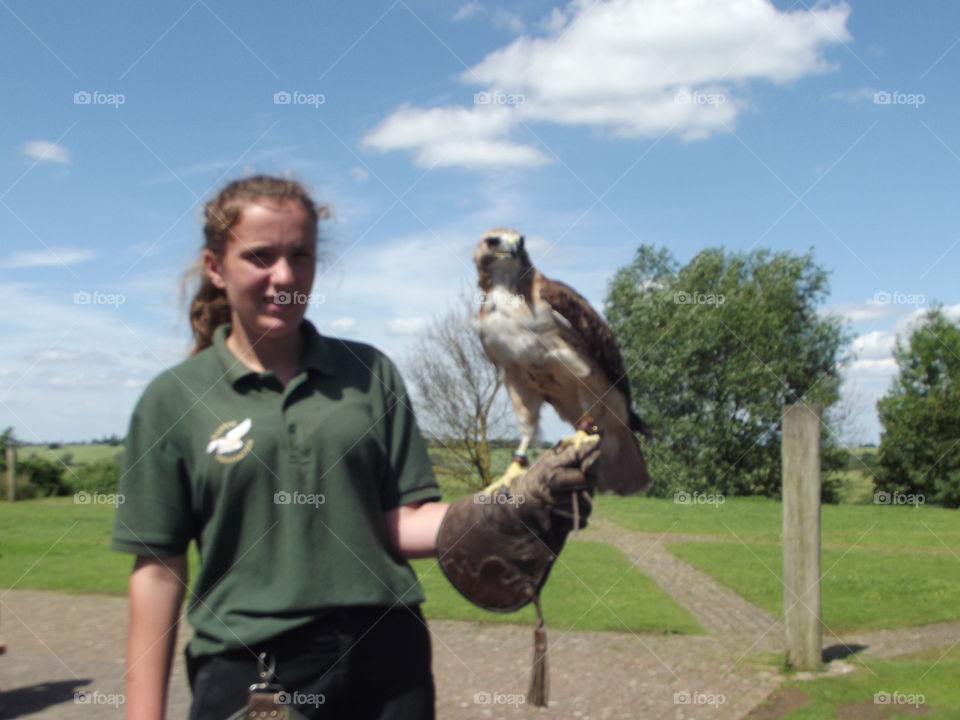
(468, 11)
(344, 324)
(45, 151)
(631, 67)
(454, 136)
(359, 174)
(406, 325)
(874, 345)
(46, 258)
(506, 20)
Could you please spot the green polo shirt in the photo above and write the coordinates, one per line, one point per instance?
(283, 488)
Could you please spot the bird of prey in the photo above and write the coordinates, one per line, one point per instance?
(552, 346)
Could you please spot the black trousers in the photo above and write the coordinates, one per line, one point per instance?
(357, 663)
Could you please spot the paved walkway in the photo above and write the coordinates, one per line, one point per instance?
(59, 644)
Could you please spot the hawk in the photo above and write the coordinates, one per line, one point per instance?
(552, 346)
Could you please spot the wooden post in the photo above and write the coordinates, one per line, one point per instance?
(11, 471)
(800, 450)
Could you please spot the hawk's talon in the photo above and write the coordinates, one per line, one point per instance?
(514, 470)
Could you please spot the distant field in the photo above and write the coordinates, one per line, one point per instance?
(77, 454)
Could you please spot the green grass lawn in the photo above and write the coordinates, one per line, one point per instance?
(760, 519)
(592, 587)
(926, 681)
(861, 589)
(55, 544)
(884, 566)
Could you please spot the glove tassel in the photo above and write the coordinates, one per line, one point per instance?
(539, 683)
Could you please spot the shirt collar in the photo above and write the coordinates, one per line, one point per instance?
(316, 353)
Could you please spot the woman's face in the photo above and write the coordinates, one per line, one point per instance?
(267, 268)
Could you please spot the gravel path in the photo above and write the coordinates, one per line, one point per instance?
(60, 643)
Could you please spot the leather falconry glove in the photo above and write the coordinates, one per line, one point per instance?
(497, 549)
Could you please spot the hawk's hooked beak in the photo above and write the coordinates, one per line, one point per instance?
(503, 247)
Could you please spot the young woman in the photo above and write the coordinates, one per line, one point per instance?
(295, 463)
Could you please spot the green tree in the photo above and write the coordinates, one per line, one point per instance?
(713, 350)
(920, 445)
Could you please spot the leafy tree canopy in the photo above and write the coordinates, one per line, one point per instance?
(713, 350)
(920, 445)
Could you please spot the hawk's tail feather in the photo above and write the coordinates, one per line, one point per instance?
(639, 426)
(621, 468)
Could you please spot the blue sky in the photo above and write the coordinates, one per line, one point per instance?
(592, 127)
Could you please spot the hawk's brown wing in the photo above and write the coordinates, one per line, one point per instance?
(596, 335)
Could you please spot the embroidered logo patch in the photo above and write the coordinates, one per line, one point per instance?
(228, 444)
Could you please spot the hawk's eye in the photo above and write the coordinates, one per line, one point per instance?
(492, 241)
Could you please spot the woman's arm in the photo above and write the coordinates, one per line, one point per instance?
(413, 528)
(156, 593)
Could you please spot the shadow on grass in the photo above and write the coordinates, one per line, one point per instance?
(839, 652)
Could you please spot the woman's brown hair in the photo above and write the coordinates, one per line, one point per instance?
(209, 308)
